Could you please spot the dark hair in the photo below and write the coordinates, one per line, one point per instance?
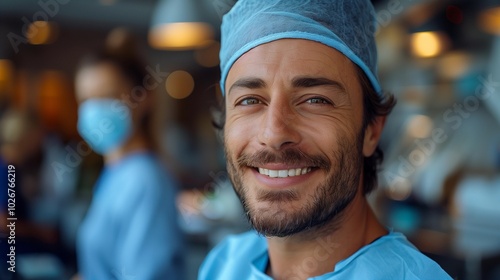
(374, 105)
(131, 67)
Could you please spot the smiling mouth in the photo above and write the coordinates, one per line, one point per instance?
(285, 172)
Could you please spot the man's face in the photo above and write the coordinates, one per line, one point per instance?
(293, 134)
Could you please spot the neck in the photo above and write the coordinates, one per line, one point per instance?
(316, 252)
(136, 143)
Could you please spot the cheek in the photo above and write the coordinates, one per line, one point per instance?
(239, 132)
(326, 133)
(233, 140)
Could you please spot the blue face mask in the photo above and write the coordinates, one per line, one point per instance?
(105, 124)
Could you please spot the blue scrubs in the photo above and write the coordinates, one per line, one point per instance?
(392, 256)
(131, 229)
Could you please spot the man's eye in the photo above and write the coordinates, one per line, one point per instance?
(317, 100)
(249, 101)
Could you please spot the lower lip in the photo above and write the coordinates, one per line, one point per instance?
(281, 183)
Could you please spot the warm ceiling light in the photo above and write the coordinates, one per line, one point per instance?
(181, 25)
(180, 35)
(489, 20)
(41, 32)
(427, 44)
(179, 84)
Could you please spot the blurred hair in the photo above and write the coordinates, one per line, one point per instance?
(121, 51)
(131, 67)
(374, 105)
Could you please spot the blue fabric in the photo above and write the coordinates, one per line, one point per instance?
(104, 123)
(345, 25)
(245, 257)
(131, 229)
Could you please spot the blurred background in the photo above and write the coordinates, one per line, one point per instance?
(439, 184)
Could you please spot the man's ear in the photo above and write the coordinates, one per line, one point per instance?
(373, 131)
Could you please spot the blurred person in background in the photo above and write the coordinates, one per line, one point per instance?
(21, 145)
(304, 112)
(131, 228)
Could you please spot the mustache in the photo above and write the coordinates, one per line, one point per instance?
(289, 156)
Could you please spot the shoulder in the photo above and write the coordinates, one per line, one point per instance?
(143, 169)
(141, 163)
(394, 257)
(233, 256)
(140, 180)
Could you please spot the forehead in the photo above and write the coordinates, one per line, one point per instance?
(287, 58)
(98, 81)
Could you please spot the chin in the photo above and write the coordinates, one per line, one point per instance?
(278, 218)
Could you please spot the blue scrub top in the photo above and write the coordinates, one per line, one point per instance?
(131, 229)
(391, 256)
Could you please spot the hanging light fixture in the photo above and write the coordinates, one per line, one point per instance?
(180, 25)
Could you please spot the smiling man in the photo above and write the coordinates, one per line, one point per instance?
(303, 116)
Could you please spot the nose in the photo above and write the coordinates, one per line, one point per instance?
(279, 127)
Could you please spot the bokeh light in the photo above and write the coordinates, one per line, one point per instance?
(42, 32)
(427, 44)
(420, 126)
(179, 84)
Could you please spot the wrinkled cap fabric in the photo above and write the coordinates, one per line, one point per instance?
(345, 25)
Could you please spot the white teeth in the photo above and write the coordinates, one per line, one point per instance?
(284, 173)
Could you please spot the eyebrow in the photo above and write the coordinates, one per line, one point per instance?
(249, 83)
(297, 82)
(308, 82)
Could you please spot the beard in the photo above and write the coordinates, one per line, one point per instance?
(323, 207)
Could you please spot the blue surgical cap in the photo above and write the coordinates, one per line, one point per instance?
(345, 25)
